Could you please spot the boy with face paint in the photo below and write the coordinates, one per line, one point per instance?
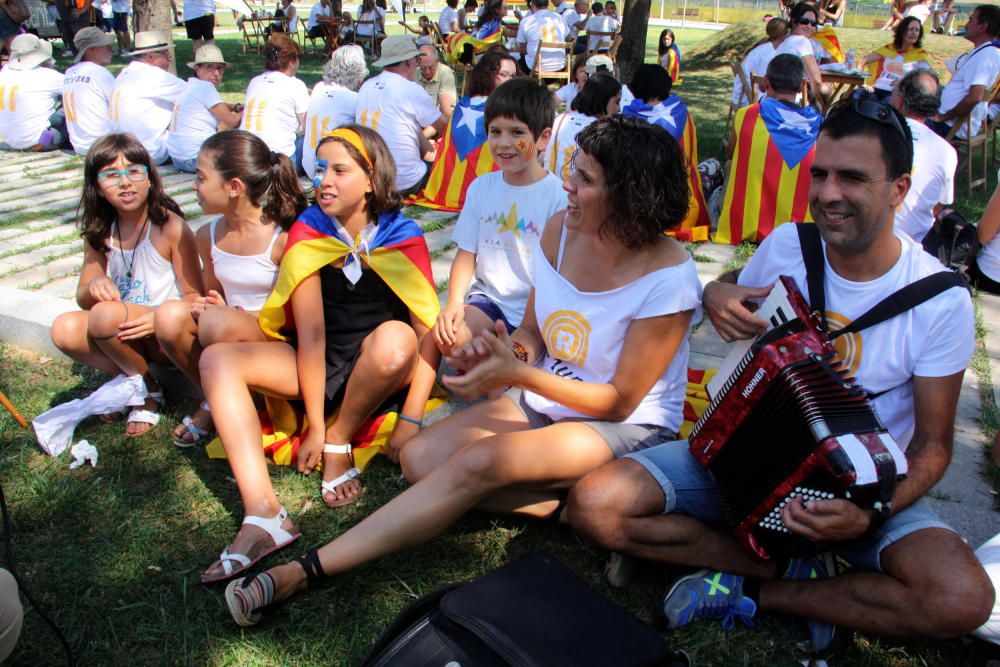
(504, 214)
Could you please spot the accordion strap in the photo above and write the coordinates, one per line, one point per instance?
(812, 256)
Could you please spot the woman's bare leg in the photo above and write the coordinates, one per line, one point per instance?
(69, 334)
(385, 365)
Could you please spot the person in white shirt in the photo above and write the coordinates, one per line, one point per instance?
(142, 102)
(334, 100)
(30, 92)
(314, 28)
(917, 96)
(277, 100)
(985, 274)
(600, 22)
(399, 110)
(448, 20)
(566, 93)
(200, 112)
(87, 89)
(600, 96)
(803, 23)
(975, 74)
(921, 10)
(371, 18)
(199, 22)
(757, 58)
(575, 19)
(542, 26)
(119, 21)
(285, 20)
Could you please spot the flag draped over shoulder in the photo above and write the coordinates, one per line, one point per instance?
(889, 53)
(398, 254)
(769, 178)
(672, 63)
(827, 38)
(462, 156)
(673, 116)
(457, 40)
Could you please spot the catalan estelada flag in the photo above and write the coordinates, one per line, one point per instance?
(457, 40)
(671, 61)
(896, 62)
(462, 156)
(827, 38)
(673, 116)
(769, 177)
(398, 254)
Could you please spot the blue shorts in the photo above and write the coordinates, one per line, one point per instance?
(119, 21)
(690, 489)
(490, 309)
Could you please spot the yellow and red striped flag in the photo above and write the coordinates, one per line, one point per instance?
(827, 38)
(769, 177)
(457, 40)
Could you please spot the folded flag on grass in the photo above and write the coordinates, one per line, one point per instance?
(695, 398)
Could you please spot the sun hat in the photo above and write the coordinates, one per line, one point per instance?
(396, 49)
(90, 37)
(208, 54)
(599, 63)
(150, 41)
(28, 52)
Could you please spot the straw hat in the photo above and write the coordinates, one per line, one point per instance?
(396, 49)
(150, 41)
(208, 54)
(28, 52)
(90, 37)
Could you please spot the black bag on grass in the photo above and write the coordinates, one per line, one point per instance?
(534, 612)
(953, 240)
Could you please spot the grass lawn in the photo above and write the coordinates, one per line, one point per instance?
(114, 553)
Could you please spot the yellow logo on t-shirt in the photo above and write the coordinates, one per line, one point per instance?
(567, 336)
(849, 346)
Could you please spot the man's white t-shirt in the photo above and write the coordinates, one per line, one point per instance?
(398, 109)
(571, 17)
(447, 17)
(797, 45)
(87, 89)
(142, 104)
(600, 23)
(543, 26)
(756, 62)
(27, 100)
(934, 339)
(274, 103)
(193, 121)
(562, 145)
(365, 29)
(317, 11)
(976, 67)
(330, 107)
(934, 163)
(195, 9)
(501, 224)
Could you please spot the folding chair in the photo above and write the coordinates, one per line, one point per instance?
(564, 74)
(967, 151)
(252, 28)
(603, 43)
(371, 42)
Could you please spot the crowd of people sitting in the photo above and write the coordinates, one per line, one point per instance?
(320, 301)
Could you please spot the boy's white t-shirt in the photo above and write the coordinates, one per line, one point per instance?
(314, 14)
(87, 89)
(562, 145)
(398, 109)
(933, 181)
(330, 107)
(274, 103)
(600, 23)
(27, 99)
(543, 26)
(195, 9)
(501, 224)
(193, 121)
(365, 30)
(143, 104)
(934, 339)
(447, 17)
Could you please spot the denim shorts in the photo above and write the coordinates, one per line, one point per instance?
(490, 309)
(189, 166)
(690, 489)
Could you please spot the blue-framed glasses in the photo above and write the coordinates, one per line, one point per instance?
(135, 173)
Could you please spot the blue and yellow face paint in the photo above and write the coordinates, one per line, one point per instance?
(320, 172)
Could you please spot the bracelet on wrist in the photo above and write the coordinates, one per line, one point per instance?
(411, 420)
(520, 351)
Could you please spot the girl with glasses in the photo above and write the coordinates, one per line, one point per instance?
(137, 253)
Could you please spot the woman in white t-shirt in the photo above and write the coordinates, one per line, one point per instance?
(985, 272)
(566, 93)
(370, 16)
(596, 370)
(199, 112)
(758, 57)
(448, 20)
(600, 97)
(277, 100)
(334, 100)
(803, 24)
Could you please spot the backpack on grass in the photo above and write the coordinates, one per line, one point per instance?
(953, 240)
(534, 612)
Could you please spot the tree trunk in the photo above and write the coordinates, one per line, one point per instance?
(156, 15)
(635, 23)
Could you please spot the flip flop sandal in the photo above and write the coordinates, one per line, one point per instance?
(331, 486)
(198, 434)
(272, 526)
(144, 416)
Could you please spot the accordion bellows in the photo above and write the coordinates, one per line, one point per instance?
(787, 422)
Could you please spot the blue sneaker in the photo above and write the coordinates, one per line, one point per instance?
(825, 637)
(707, 594)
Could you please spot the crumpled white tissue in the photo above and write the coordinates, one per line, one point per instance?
(54, 428)
(83, 452)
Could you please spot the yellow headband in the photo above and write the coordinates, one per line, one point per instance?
(354, 139)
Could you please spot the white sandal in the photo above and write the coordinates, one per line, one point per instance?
(351, 473)
(140, 415)
(198, 434)
(272, 526)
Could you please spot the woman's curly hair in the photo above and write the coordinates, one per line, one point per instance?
(645, 174)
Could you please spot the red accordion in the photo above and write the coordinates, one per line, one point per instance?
(789, 421)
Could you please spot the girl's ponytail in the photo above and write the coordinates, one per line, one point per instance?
(285, 199)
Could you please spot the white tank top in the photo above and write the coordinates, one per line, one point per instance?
(246, 280)
(584, 333)
(142, 275)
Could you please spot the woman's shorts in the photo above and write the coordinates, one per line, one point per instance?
(202, 27)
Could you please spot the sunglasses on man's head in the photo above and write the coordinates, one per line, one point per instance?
(871, 109)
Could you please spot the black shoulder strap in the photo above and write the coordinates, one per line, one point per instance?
(812, 255)
(904, 299)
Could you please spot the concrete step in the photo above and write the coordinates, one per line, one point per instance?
(36, 278)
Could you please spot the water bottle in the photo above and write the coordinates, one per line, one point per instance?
(849, 62)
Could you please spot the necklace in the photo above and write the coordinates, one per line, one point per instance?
(128, 264)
